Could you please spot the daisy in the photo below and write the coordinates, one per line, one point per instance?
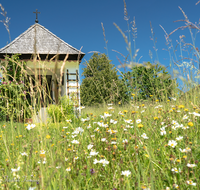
(104, 162)
(24, 154)
(138, 121)
(144, 136)
(15, 170)
(172, 143)
(125, 141)
(191, 165)
(185, 117)
(68, 169)
(175, 170)
(190, 182)
(75, 142)
(179, 138)
(103, 139)
(93, 153)
(89, 146)
(126, 173)
(29, 127)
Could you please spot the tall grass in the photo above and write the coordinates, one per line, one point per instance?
(140, 145)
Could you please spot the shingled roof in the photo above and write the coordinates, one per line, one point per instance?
(37, 39)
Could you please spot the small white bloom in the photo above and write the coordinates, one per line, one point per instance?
(179, 138)
(89, 146)
(190, 182)
(172, 143)
(24, 154)
(66, 159)
(58, 167)
(89, 126)
(68, 120)
(113, 142)
(175, 170)
(75, 142)
(126, 173)
(125, 141)
(32, 188)
(95, 161)
(68, 169)
(113, 121)
(173, 99)
(93, 153)
(185, 117)
(144, 136)
(138, 121)
(81, 107)
(30, 126)
(15, 170)
(103, 139)
(128, 121)
(104, 162)
(65, 127)
(191, 165)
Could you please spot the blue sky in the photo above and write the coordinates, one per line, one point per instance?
(78, 23)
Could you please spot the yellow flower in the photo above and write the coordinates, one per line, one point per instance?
(185, 109)
(48, 136)
(36, 152)
(178, 160)
(12, 144)
(185, 157)
(114, 147)
(190, 124)
(20, 136)
(168, 100)
(140, 125)
(133, 112)
(69, 149)
(151, 95)
(17, 137)
(157, 100)
(52, 145)
(125, 111)
(119, 102)
(6, 160)
(133, 94)
(181, 106)
(155, 118)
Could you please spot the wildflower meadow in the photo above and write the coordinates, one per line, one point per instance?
(151, 143)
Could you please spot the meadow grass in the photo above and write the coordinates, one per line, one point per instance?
(117, 148)
(139, 145)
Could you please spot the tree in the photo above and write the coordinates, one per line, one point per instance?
(101, 83)
(149, 80)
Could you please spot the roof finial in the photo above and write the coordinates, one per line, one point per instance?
(36, 20)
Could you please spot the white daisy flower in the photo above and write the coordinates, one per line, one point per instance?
(190, 182)
(89, 146)
(138, 121)
(144, 136)
(179, 138)
(75, 142)
(191, 165)
(126, 173)
(172, 143)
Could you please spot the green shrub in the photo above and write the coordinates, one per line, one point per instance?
(64, 110)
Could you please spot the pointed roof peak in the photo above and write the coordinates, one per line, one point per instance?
(38, 39)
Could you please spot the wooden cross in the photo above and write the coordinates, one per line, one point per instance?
(36, 21)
